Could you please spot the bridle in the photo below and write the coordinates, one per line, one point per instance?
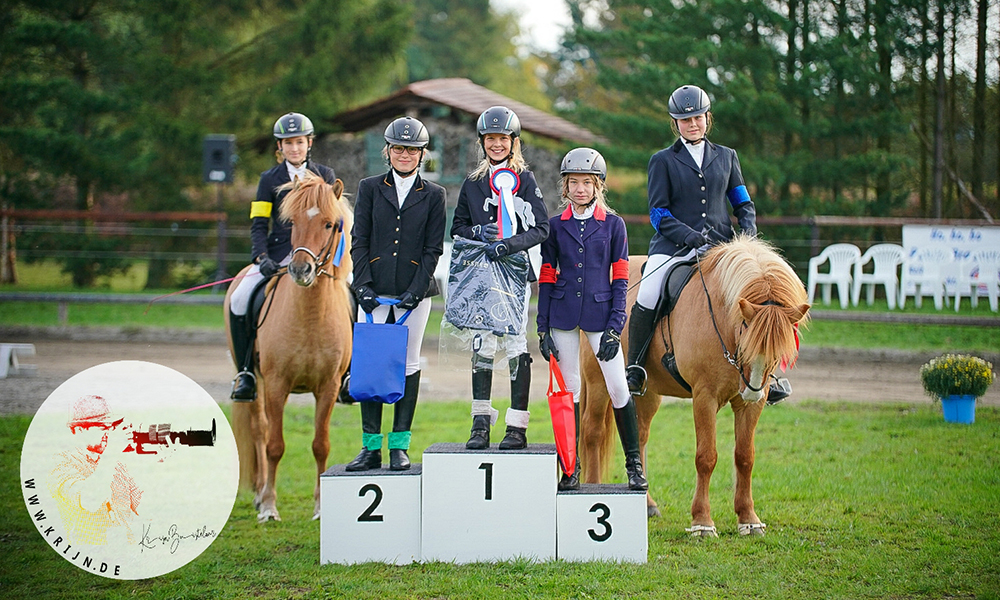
(731, 357)
(327, 252)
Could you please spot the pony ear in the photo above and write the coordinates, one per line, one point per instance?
(748, 310)
(338, 188)
(799, 312)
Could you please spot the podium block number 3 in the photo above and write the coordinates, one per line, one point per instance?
(602, 520)
(369, 514)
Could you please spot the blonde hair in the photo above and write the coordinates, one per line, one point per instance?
(600, 192)
(515, 163)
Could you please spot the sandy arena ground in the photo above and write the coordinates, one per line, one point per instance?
(821, 374)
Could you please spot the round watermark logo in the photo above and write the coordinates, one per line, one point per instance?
(129, 470)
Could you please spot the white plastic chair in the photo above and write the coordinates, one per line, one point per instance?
(887, 258)
(989, 274)
(926, 270)
(964, 271)
(841, 258)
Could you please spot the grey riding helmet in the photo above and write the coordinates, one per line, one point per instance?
(688, 101)
(292, 125)
(584, 161)
(407, 131)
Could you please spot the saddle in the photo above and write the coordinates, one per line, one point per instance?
(673, 284)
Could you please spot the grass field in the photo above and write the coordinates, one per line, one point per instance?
(884, 502)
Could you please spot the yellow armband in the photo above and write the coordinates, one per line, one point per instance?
(260, 209)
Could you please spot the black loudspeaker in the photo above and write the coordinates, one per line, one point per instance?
(218, 157)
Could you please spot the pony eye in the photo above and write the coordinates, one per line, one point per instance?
(329, 225)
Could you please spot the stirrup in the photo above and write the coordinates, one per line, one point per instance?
(232, 390)
(645, 378)
(780, 389)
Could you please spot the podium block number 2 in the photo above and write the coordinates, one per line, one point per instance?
(602, 520)
(369, 515)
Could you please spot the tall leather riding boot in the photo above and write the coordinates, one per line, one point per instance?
(628, 430)
(571, 481)
(370, 456)
(402, 420)
(482, 389)
(640, 331)
(517, 416)
(344, 397)
(245, 382)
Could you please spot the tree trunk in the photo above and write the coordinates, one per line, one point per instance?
(939, 114)
(979, 105)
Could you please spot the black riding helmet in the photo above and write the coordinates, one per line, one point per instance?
(688, 101)
(584, 161)
(293, 125)
(407, 131)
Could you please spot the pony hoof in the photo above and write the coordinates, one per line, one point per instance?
(702, 531)
(756, 529)
(652, 512)
(316, 516)
(268, 515)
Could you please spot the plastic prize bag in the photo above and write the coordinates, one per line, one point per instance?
(485, 301)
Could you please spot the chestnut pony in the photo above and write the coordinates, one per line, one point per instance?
(732, 325)
(303, 340)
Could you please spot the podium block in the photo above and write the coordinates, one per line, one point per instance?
(602, 522)
(370, 516)
(488, 505)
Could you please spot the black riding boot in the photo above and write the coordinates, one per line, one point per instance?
(482, 388)
(628, 430)
(402, 420)
(344, 397)
(370, 456)
(245, 382)
(640, 331)
(520, 383)
(779, 389)
(571, 481)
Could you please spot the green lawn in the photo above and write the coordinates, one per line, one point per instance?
(860, 501)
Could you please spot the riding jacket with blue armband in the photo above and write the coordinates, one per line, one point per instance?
(264, 211)
(584, 274)
(683, 197)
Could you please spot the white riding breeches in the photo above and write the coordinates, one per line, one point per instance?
(568, 345)
(239, 302)
(415, 323)
(657, 267)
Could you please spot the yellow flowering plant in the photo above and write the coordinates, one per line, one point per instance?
(956, 375)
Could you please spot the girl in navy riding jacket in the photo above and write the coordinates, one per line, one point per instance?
(581, 287)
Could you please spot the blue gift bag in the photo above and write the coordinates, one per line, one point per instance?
(378, 360)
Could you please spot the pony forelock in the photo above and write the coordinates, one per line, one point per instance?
(310, 192)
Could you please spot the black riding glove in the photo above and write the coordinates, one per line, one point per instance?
(496, 250)
(610, 342)
(486, 233)
(267, 266)
(696, 239)
(408, 301)
(546, 346)
(367, 299)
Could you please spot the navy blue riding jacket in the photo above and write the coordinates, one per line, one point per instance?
(265, 211)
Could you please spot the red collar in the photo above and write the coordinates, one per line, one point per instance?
(599, 213)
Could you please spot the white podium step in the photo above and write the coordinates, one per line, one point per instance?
(602, 522)
(488, 505)
(370, 516)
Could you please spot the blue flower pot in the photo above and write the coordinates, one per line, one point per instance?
(959, 409)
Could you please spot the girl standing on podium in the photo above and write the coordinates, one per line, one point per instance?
(581, 287)
(475, 218)
(398, 237)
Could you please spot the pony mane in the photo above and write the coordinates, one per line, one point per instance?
(310, 192)
(751, 268)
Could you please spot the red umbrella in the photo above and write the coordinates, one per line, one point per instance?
(563, 419)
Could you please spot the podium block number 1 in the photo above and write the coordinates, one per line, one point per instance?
(488, 467)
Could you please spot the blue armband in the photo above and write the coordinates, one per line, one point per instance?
(738, 195)
(656, 215)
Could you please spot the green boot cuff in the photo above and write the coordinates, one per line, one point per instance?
(371, 441)
(399, 440)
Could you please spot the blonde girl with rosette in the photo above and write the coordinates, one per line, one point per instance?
(581, 287)
(475, 218)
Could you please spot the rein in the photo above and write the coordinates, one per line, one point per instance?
(731, 357)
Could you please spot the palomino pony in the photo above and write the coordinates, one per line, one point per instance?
(732, 325)
(303, 340)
